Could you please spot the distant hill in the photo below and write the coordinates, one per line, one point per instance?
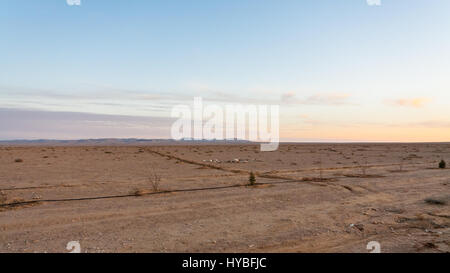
(114, 141)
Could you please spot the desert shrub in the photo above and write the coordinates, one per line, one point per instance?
(18, 160)
(155, 180)
(442, 164)
(252, 179)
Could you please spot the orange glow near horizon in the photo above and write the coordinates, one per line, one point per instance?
(375, 134)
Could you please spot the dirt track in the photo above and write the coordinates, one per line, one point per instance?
(312, 198)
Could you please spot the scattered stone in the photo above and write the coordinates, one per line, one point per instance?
(35, 196)
(360, 227)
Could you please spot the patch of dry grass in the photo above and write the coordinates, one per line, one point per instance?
(155, 180)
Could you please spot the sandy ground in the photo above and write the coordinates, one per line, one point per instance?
(313, 198)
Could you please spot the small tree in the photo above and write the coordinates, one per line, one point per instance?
(252, 179)
(442, 164)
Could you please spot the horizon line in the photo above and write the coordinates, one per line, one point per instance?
(221, 140)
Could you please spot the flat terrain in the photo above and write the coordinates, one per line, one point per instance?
(311, 198)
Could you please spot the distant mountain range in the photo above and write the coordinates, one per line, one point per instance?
(116, 141)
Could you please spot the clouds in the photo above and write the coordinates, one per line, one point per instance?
(327, 99)
(317, 99)
(116, 112)
(439, 124)
(288, 97)
(33, 124)
(144, 102)
(409, 102)
(96, 100)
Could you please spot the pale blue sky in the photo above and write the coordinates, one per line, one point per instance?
(338, 63)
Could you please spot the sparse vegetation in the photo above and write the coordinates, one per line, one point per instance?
(315, 183)
(442, 164)
(155, 180)
(252, 179)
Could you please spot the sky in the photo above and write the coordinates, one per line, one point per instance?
(340, 70)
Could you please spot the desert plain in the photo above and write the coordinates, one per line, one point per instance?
(307, 198)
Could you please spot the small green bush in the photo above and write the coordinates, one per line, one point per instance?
(442, 164)
(252, 179)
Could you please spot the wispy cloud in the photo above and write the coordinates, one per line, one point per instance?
(441, 124)
(317, 99)
(409, 102)
(33, 124)
(430, 124)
